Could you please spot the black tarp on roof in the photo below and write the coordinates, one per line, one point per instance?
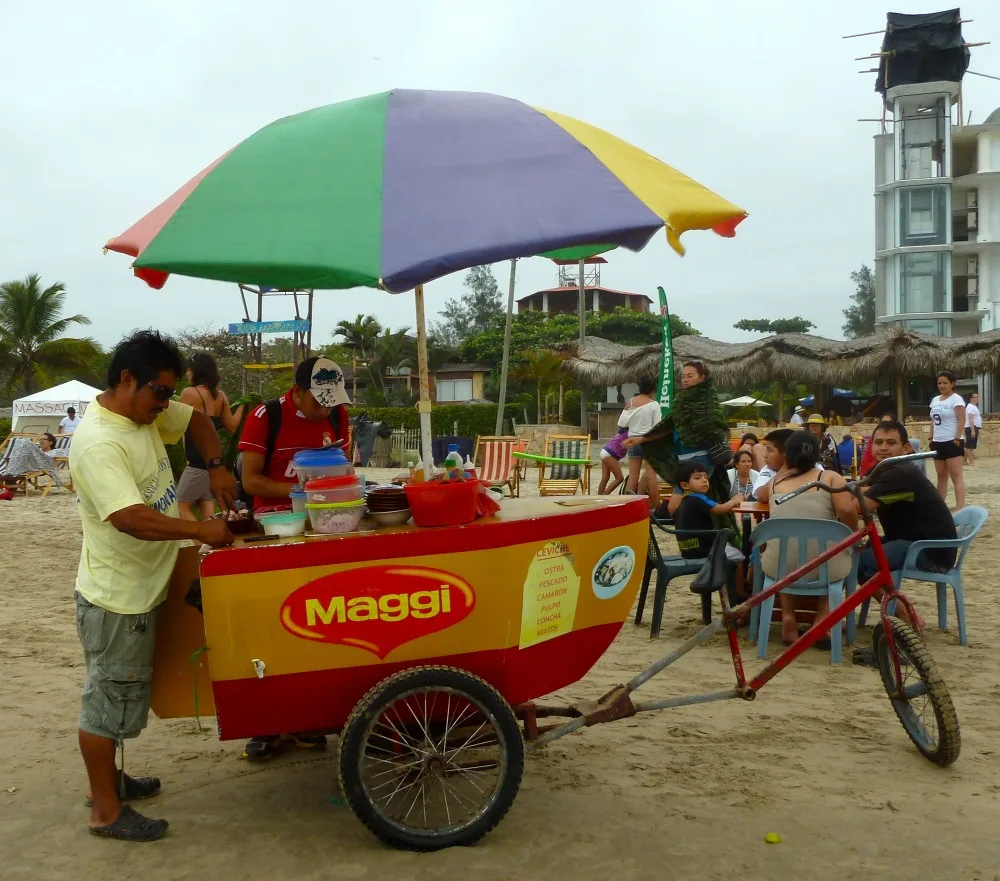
(925, 48)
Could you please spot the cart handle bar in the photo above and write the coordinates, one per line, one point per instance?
(852, 485)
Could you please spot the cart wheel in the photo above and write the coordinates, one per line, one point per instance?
(925, 709)
(430, 758)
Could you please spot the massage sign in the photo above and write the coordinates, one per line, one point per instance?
(377, 608)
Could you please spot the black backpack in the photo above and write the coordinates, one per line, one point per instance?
(273, 410)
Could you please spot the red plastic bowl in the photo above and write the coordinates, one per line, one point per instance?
(443, 504)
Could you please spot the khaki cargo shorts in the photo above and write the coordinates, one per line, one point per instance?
(118, 650)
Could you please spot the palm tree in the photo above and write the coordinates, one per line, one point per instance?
(541, 367)
(361, 337)
(393, 351)
(33, 347)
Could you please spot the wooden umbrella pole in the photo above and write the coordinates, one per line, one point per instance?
(506, 348)
(424, 405)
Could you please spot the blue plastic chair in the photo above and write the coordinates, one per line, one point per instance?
(826, 533)
(968, 523)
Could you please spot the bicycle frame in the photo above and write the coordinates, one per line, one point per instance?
(617, 703)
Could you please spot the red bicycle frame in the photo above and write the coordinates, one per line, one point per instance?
(618, 703)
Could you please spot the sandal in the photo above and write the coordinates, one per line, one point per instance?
(136, 788)
(864, 656)
(132, 826)
(260, 749)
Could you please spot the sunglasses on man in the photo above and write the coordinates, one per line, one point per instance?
(162, 392)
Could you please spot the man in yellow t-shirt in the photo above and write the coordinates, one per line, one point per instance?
(131, 530)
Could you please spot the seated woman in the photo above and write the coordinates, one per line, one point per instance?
(742, 476)
(799, 466)
(47, 444)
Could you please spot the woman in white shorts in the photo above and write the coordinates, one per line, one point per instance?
(640, 416)
(948, 437)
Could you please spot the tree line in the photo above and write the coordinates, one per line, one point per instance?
(39, 345)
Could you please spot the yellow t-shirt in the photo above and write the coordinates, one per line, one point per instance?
(115, 464)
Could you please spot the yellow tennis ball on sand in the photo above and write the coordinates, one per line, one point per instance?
(772, 838)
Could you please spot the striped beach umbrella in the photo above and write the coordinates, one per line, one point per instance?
(396, 189)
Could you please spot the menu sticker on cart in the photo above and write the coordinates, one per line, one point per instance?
(551, 591)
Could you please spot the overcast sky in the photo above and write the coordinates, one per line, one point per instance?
(106, 110)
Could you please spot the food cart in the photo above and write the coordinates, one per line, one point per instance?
(320, 633)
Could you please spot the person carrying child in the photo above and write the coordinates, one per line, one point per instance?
(695, 431)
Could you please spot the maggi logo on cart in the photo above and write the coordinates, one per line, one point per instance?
(377, 608)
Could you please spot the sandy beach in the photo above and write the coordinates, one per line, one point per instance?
(818, 758)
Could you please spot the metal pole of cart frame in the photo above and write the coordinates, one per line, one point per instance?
(424, 405)
(506, 348)
(583, 337)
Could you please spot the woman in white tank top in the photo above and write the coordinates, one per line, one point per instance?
(948, 437)
(640, 416)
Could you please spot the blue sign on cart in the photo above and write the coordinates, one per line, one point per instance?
(245, 328)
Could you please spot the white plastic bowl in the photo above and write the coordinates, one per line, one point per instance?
(283, 523)
(390, 518)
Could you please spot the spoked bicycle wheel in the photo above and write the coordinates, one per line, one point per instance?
(922, 703)
(430, 758)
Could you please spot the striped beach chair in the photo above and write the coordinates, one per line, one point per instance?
(498, 467)
(561, 479)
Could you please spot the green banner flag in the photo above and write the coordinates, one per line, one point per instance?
(665, 381)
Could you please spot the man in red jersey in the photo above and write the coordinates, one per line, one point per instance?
(310, 415)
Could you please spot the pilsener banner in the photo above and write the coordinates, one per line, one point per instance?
(665, 381)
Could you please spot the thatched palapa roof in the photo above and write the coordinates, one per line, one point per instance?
(793, 357)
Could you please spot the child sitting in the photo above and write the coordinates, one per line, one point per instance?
(696, 510)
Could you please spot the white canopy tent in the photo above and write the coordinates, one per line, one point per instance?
(745, 401)
(44, 410)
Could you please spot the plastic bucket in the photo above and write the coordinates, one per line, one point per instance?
(314, 464)
(443, 504)
(327, 490)
(336, 518)
(283, 523)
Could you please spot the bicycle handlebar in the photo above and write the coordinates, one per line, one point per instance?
(852, 485)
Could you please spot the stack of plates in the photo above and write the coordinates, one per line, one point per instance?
(385, 499)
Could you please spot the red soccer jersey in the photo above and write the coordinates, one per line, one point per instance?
(296, 433)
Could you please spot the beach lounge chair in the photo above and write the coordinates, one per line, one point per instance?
(561, 479)
(497, 466)
(23, 465)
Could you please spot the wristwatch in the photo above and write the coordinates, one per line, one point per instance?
(214, 463)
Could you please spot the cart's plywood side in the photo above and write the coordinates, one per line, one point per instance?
(180, 632)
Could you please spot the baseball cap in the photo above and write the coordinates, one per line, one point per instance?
(326, 382)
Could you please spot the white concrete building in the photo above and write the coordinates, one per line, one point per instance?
(937, 220)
